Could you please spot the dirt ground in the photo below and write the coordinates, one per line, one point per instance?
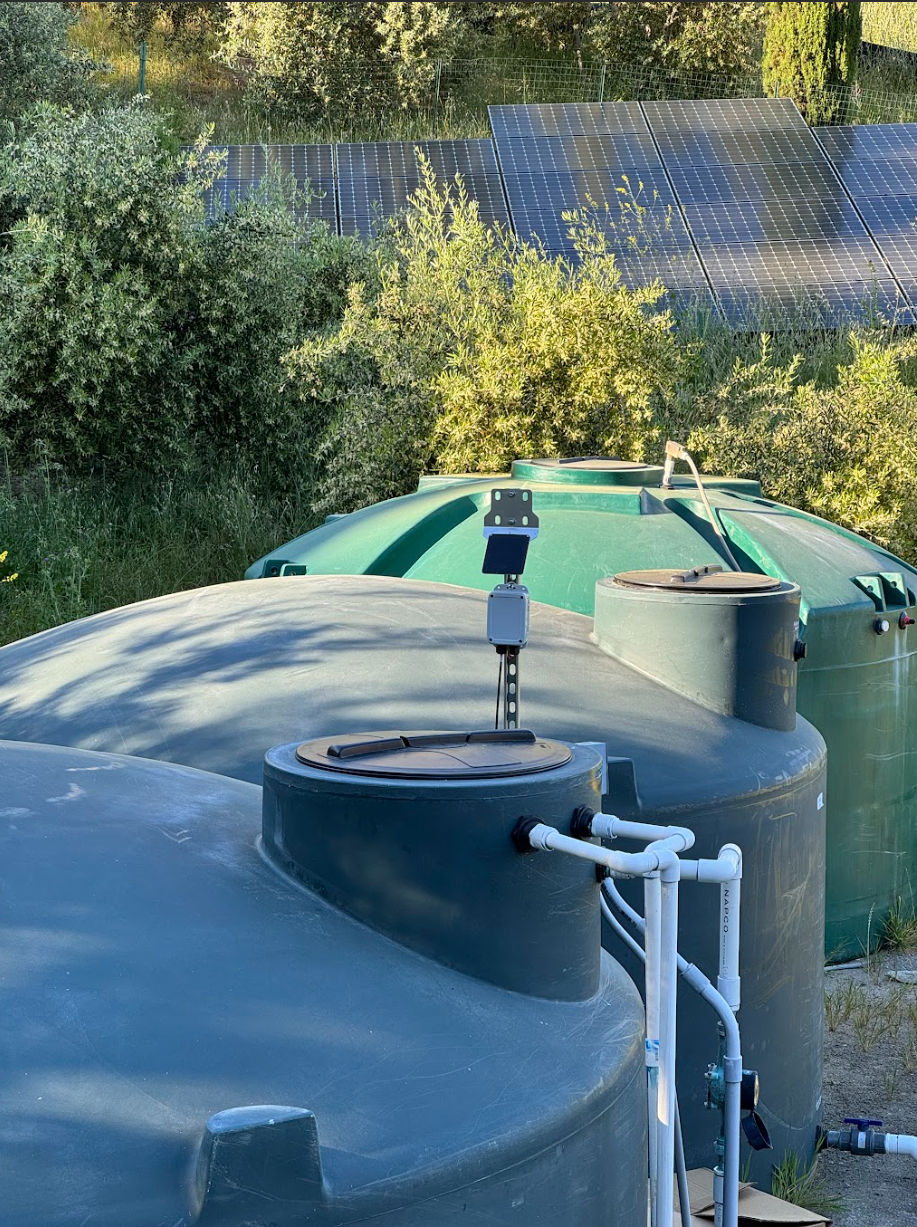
(871, 1071)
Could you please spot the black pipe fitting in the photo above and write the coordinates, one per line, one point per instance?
(581, 822)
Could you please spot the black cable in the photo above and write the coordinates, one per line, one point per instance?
(499, 691)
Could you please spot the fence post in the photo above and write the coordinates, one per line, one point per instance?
(602, 83)
(439, 77)
(141, 79)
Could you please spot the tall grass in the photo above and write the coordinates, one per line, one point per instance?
(81, 545)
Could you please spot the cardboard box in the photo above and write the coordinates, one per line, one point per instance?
(755, 1208)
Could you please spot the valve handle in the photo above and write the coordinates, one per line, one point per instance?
(862, 1122)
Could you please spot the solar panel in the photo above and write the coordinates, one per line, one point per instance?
(770, 221)
(776, 220)
(575, 189)
(764, 265)
(831, 307)
(566, 119)
(723, 115)
(551, 155)
(803, 180)
(889, 215)
(731, 148)
(870, 141)
(227, 194)
(649, 231)
(888, 177)
(398, 159)
(364, 201)
(301, 161)
(679, 270)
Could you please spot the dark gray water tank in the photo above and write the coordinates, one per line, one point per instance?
(216, 677)
(193, 1037)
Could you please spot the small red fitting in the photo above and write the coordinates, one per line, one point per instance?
(905, 621)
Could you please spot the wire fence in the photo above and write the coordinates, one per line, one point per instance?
(364, 101)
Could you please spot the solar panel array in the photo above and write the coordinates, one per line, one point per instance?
(312, 166)
(376, 179)
(734, 203)
(735, 199)
(878, 166)
(599, 160)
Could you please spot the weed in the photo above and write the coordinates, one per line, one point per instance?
(909, 1053)
(798, 1182)
(890, 1083)
(842, 1003)
(899, 930)
(83, 545)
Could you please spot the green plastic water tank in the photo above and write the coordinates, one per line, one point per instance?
(599, 516)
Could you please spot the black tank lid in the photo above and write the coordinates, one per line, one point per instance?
(489, 754)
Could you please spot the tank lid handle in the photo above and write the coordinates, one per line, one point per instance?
(418, 741)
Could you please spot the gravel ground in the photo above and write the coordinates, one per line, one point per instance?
(871, 1071)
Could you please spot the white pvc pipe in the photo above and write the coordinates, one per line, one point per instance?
(652, 902)
(694, 977)
(640, 954)
(609, 826)
(629, 864)
(677, 451)
(901, 1144)
(659, 864)
(668, 978)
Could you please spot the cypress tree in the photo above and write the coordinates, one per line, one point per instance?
(810, 54)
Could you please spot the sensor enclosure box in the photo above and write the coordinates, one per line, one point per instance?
(508, 616)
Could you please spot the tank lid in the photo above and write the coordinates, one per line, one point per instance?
(484, 755)
(698, 579)
(589, 470)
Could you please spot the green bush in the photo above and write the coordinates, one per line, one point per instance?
(722, 38)
(337, 57)
(35, 60)
(810, 53)
(262, 279)
(847, 452)
(94, 282)
(133, 333)
(474, 348)
(187, 21)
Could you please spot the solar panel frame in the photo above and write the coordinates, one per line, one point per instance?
(775, 220)
(723, 115)
(869, 142)
(755, 181)
(878, 177)
(565, 119)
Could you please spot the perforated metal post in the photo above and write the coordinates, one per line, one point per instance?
(509, 527)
